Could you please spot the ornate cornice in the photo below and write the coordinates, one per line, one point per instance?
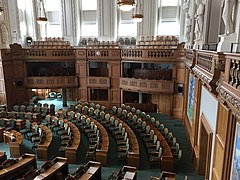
(228, 96)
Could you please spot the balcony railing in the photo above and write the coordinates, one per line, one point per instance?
(103, 82)
(149, 86)
(51, 82)
(49, 53)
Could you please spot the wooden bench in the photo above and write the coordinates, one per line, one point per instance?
(42, 148)
(27, 161)
(14, 140)
(3, 157)
(71, 152)
(93, 171)
(58, 166)
(101, 154)
(133, 153)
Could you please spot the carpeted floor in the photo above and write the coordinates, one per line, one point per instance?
(182, 167)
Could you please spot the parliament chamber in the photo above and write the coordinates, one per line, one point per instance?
(89, 90)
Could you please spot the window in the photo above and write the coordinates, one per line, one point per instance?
(89, 25)
(168, 13)
(53, 11)
(126, 26)
(98, 69)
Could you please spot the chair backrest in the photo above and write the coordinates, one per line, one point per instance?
(116, 122)
(134, 118)
(144, 125)
(96, 112)
(112, 119)
(165, 131)
(2, 123)
(148, 129)
(65, 126)
(92, 125)
(20, 115)
(119, 111)
(55, 120)
(12, 114)
(78, 116)
(133, 109)
(16, 108)
(29, 108)
(107, 116)
(92, 105)
(120, 126)
(88, 121)
(102, 115)
(152, 120)
(22, 108)
(148, 117)
(161, 127)
(48, 118)
(98, 106)
(151, 133)
(61, 123)
(158, 145)
(139, 121)
(83, 118)
(39, 104)
(29, 115)
(125, 136)
(129, 115)
(128, 108)
(155, 139)
(72, 107)
(143, 114)
(124, 113)
(91, 111)
(28, 124)
(123, 131)
(159, 152)
(157, 124)
(179, 154)
(103, 108)
(138, 112)
(174, 140)
(85, 109)
(123, 106)
(79, 108)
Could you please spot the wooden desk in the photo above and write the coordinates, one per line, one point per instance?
(59, 166)
(71, 152)
(101, 154)
(133, 153)
(1, 133)
(3, 157)
(130, 172)
(93, 172)
(42, 149)
(15, 147)
(27, 161)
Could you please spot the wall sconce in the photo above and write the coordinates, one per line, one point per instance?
(41, 14)
(126, 5)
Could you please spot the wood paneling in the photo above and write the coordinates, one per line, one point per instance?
(103, 82)
(218, 159)
(149, 86)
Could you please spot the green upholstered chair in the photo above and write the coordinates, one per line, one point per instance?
(16, 108)
(154, 148)
(72, 107)
(98, 106)
(156, 156)
(114, 109)
(79, 108)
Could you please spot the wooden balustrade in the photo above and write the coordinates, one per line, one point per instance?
(49, 53)
(103, 53)
(149, 86)
(51, 82)
(98, 82)
(150, 54)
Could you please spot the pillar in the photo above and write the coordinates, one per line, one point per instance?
(64, 97)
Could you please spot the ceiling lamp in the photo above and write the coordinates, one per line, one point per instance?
(137, 17)
(41, 14)
(137, 13)
(126, 5)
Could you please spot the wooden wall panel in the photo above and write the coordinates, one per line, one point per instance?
(115, 70)
(115, 83)
(222, 123)
(116, 96)
(178, 106)
(165, 104)
(218, 159)
(82, 94)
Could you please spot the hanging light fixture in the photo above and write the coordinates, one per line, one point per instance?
(41, 14)
(137, 13)
(1, 9)
(126, 5)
